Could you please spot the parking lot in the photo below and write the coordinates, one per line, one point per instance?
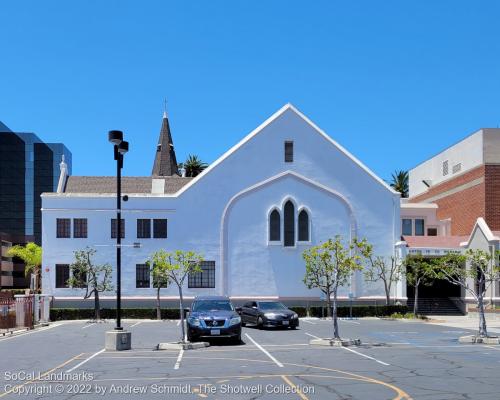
(397, 360)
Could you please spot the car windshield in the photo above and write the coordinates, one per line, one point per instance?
(272, 305)
(213, 305)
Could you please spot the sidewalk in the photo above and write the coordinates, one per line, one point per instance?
(465, 322)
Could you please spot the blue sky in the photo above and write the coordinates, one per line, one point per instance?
(392, 81)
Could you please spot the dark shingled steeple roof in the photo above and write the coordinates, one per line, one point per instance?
(165, 162)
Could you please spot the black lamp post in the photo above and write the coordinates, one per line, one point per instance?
(120, 148)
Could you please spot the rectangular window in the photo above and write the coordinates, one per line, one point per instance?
(407, 227)
(80, 227)
(62, 275)
(114, 228)
(456, 168)
(160, 228)
(419, 227)
(143, 228)
(63, 229)
(205, 278)
(142, 276)
(432, 232)
(288, 151)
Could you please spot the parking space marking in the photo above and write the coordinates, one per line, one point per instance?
(179, 358)
(313, 336)
(492, 347)
(309, 322)
(264, 351)
(88, 326)
(364, 355)
(85, 361)
(295, 387)
(137, 323)
(178, 322)
(16, 388)
(351, 321)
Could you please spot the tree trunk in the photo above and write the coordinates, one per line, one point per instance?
(334, 316)
(387, 294)
(181, 305)
(158, 305)
(482, 320)
(97, 306)
(415, 304)
(328, 306)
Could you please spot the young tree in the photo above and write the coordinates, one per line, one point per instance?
(160, 280)
(475, 271)
(385, 269)
(177, 266)
(31, 254)
(94, 278)
(328, 266)
(419, 271)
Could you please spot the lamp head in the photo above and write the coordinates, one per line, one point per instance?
(123, 147)
(115, 137)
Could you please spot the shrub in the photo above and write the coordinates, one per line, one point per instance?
(57, 314)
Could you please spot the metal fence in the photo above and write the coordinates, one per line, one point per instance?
(23, 311)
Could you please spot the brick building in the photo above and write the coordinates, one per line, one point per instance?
(463, 181)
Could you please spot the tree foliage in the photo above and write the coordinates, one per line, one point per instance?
(161, 280)
(31, 255)
(399, 182)
(94, 278)
(419, 271)
(380, 268)
(193, 165)
(176, 266)
(328, 266)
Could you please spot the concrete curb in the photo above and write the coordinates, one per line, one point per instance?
(182, 346)
(478, 339)
(335, 342)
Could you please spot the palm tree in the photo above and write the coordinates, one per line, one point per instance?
(399, 182)
(194, 166)
(31, 254)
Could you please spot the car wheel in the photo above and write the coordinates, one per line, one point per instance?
(243, 324)
(293, 327)
(260, 323)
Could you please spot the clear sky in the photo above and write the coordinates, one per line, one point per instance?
(392, 81)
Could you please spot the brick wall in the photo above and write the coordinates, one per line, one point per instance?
(466, 206)
(492, 182)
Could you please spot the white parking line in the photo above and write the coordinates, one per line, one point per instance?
(178, 322)
(137, 323)
(351, 321)
(364, 355)
(88, 326)
(264, 351)
(85, 361)
(309, 322)
(315, 337)
(179, 358)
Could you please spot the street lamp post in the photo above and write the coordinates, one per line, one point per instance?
(119, 339)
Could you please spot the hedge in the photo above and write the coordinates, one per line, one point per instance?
(57, 314)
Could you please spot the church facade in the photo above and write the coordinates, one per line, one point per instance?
(251, 214)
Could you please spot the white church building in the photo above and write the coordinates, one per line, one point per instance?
(284, 187)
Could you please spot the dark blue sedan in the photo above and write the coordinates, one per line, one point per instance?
(212, 317)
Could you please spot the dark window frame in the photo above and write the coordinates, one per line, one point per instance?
(160, 232)
(142, 276)
(142, 232)
(419, 232)
(63, 228)
(403, 227)
(304, 234)
(114, 228)
(288, 151)
(275, 226)
(62, 276)
(204, 279)
(80, 228)
(289, 224)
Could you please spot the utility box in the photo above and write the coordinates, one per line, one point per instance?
(118, 340)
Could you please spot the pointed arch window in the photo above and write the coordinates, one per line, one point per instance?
(289, 224)
(303, 226)
(274, 226)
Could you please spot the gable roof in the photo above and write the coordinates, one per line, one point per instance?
(267, 122)
(485, 229)
(130, 184)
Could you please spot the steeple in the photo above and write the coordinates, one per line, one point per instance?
(165, 162)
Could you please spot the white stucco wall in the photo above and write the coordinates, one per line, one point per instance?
(223, 214)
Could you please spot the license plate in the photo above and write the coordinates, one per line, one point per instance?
(285, 322)
(215, 332)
